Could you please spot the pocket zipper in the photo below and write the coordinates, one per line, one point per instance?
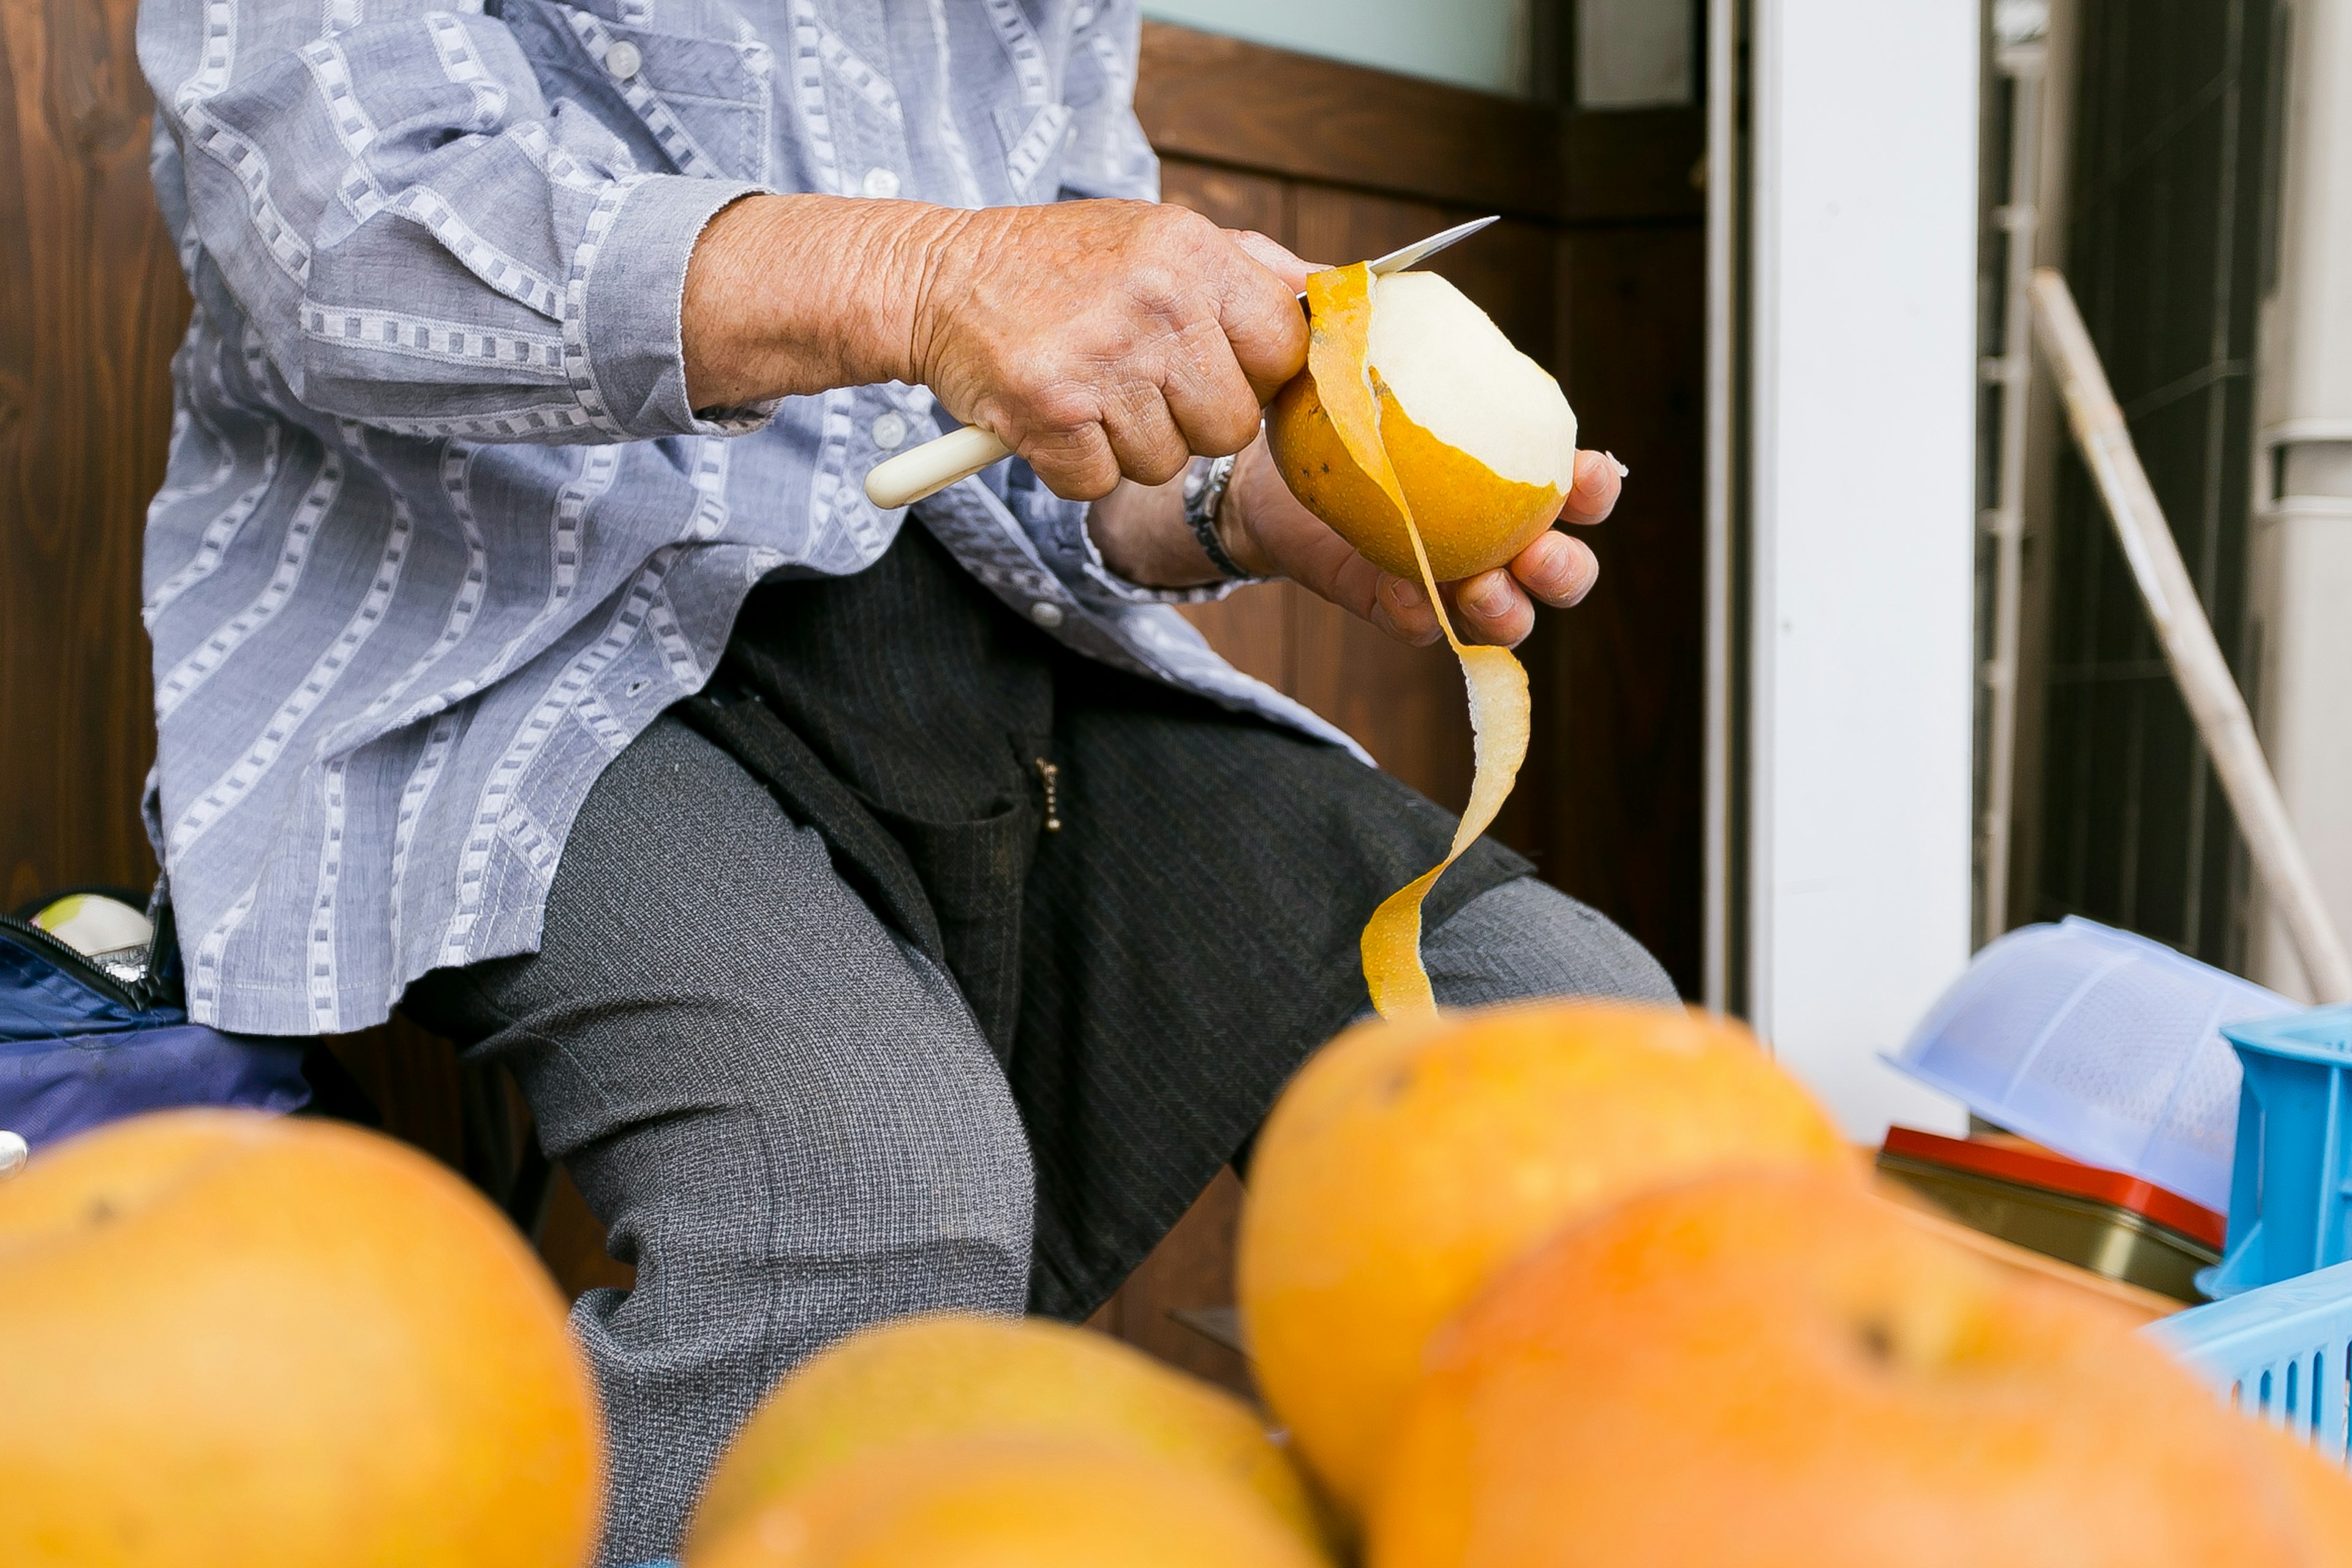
(138, 997)
(1050, 776)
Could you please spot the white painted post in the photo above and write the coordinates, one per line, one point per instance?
(2302, 589)
(1862, 518)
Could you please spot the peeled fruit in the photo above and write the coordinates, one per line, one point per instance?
(952, 1375)
(1759, 1371)
(1450, 462)
(1009, 1504)
(231, 1340)
(1409, 1161)
(1483, 443)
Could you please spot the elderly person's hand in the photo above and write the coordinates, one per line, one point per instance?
(1106, 343)
(1097, 338)
(1267, 533)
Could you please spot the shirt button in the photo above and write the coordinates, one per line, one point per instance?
(624, 58)
(1047, 615)
(890, 431)
(881, 184)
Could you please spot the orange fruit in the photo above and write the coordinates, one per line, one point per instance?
(949, 1375)
(231, 1340)
(1409, 1161)
(1763, 1370)
(1009, 1504)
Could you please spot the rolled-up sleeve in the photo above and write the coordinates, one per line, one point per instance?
(422, 239)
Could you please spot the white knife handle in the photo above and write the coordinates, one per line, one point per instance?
(927, 470)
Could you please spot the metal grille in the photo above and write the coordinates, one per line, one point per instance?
(2164, 253)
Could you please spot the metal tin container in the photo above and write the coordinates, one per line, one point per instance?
(2109, 1223)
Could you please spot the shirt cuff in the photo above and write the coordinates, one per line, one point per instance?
(624, 338)
(1059, 530)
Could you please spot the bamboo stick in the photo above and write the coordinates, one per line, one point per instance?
(2198, 666)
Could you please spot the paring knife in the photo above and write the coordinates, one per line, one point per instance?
(927, 470)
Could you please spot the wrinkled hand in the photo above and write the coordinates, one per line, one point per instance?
(1099, 338)
(1269, 534)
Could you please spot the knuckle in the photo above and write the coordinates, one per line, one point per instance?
(1075, 468)
(1182, 224)
(1156, 285)
(1063, 405)
(1229, 425)
(1159, 463)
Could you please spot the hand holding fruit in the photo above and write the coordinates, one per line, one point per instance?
(1271, 534)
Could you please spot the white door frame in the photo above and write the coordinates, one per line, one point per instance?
(1857, 478)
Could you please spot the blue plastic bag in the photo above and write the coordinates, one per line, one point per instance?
(79, 1047)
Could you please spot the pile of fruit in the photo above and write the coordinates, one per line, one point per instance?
(1557, 1284)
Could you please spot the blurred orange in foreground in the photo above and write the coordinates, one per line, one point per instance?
(1011, 1503)
(1409, 1161)
(1781, 1368)
(956, 1375)
(228, 1340)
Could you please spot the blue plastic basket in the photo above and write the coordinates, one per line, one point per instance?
(2291, 1182)
(2281, 1353)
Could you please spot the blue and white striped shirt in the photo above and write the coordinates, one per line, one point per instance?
(440, 535)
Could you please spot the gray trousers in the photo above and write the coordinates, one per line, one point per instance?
(791, 1123)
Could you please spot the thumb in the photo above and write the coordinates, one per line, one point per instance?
(1273, 257)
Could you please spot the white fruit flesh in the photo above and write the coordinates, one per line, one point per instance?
(1459, 378)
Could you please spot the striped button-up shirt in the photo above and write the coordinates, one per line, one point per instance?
(440, 532)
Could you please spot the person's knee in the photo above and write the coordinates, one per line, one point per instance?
(807, 1165)
(857, 1154)
(902, 1129)
(938, 1164)
(1526, 938)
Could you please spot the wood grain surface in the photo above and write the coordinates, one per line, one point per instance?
(90, 306)
(1221, 100)
(1615, 783)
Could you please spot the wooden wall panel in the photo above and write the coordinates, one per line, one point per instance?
(1615, 777)
(90, 306)
(411, 1078)
(1222, 100)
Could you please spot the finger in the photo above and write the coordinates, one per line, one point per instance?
(1409, 617)
(1148, 447)
(1495, 610)
(1557, 569)
(1275, 258)
(1327, 565)
(1393, 606)
(1212, 402)
(1599, 478)
(1076, 463)
(1261, 318)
